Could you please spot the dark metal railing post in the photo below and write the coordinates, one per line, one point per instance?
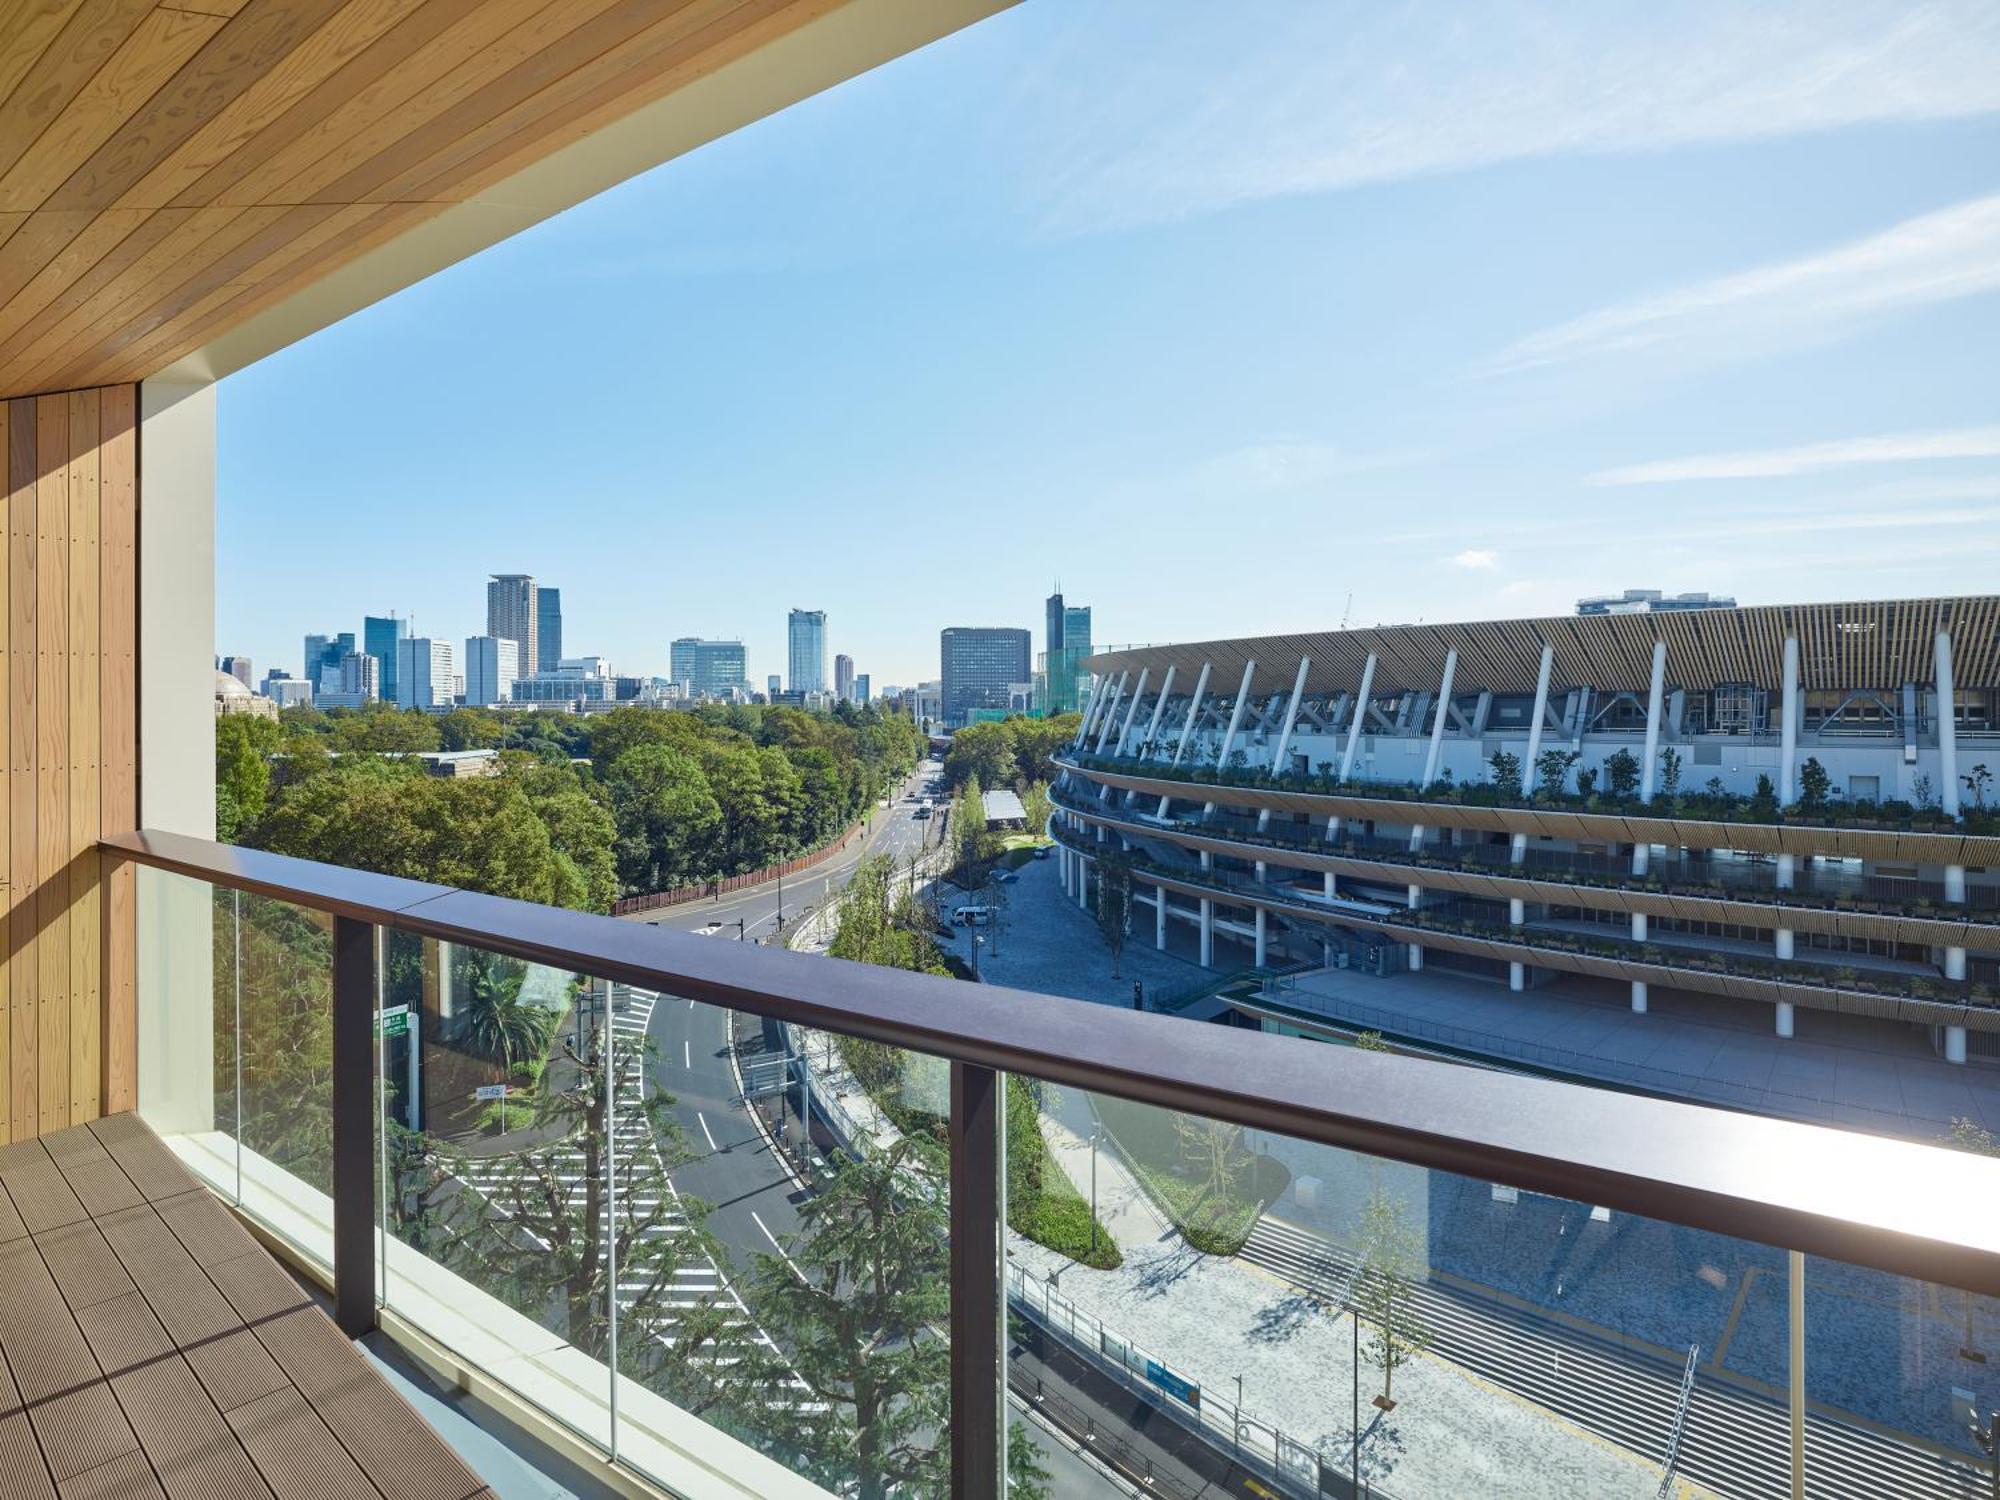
(353, 1125)
(976, 1295)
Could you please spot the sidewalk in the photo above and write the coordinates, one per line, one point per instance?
(1213, 1319)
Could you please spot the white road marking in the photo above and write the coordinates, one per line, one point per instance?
(758, 1219)
(706, 1131)
(687, 1054)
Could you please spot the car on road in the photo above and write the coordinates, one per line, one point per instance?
(1008, 877)
(923, 810)
(1043, 851)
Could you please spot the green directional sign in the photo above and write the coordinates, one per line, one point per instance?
(393, 1022)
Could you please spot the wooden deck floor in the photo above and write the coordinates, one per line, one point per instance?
(149, 1347)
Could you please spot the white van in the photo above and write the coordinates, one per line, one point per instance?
(974, 916)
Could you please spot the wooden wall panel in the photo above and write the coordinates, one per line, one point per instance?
(68, 606)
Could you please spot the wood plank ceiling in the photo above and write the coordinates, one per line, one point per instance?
(168, 168)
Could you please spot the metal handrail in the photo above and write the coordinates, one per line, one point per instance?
(1897, 1206)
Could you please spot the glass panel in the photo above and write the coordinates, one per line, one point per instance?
(236, 1048)
(495, 1138)
(795, 1294)
(1271, 1300)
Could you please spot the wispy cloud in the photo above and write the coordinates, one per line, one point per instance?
(1290, 463)
(1198, 111)
(1475, 559)
(1936, 257)
(1780, 463)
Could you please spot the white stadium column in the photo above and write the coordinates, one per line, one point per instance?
(1954, 1044)
(1650, 766)
(1517, 973)
(1260, 937)
(1160, 707)
(1111, 711)
(1187, 731)
(1788, 731)
(1519, 850)
(1235, 723)
(1437, 739)
(1131, 713)
(1284, 744)
(1954, 891)
(1785, 1022)
(1640, 989)
(1947, 727)
(1207, 918)
(1361, 700)
(1416, 895)
(1160, 917)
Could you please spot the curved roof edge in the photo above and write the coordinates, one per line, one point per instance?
(1866, 644)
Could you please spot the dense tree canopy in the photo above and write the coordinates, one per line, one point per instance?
(1016, 752)
(584, 808)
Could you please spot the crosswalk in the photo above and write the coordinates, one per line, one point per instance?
(1735, 1443)
(699, 1285)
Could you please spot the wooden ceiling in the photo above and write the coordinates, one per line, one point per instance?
(1841, 646)
(171, 168)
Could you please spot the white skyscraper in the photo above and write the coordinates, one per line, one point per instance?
(806, 630)
(423, 673)
(492, 663)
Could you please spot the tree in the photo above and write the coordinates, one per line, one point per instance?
(539, 1241)
(1621, 774)
(1373, 1041)
(498, 1023)
(1586, 782)
(859, 1300)
(1552, 769)
(1764, 800)
(972, 841)
(1978, 783)
(1814, 785)
(1506, 773)
(1114, 905)
(666, 815)
(1670, 773)
(1035, 802)
(983, 753)
(1391, 1255)
(382, 729)
(470, 729)
(243, 747)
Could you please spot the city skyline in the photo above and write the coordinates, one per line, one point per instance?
(1725, 330)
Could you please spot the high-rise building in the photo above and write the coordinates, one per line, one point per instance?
(806, 656)
(861, 687)
(288, 692)
(380, 636)
(705, 668)
(843, 677)
(424, 673)
(239, 668)
(491, 666)
(774, 685)
(323, 651)
(1067, 644)
(977, 665)
(352, 682)
(513, 612)
(548, 629)
(1650, 602)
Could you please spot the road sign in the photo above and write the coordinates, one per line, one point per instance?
(490, 1091)
(393, 1022)
(1174, 1385)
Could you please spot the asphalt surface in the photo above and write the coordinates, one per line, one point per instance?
(891, 830)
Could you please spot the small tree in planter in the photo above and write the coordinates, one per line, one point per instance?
(1978, 783)
(1923, 793)
(1586, 783)
(1391, 1257)
(1670, 773)
(1764, 801)
(1552, 769)
(1814, 785)
(1621, 774)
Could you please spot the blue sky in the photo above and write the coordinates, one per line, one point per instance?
(1464, 311)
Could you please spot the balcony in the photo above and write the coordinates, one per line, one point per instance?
(1694, 820)
(689, 1346)
(1743, 892)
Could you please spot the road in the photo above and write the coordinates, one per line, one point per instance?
(891, 830)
